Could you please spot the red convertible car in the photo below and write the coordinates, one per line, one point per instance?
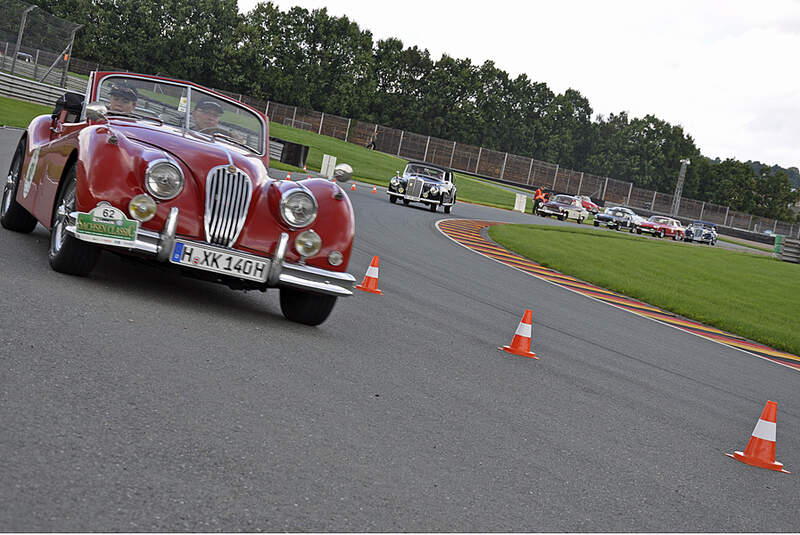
(175, 173)
(660, 226)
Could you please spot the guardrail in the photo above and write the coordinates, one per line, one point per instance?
(29, 90)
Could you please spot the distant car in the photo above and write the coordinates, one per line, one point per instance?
(24, 57)
(589, 204)
(661, 226)
(617, 217)
(701, 231)
(564, 207)
(423, 182)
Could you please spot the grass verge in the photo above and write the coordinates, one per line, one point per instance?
(745, 294)
(18, 113)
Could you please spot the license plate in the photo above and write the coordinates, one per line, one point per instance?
(209, 258)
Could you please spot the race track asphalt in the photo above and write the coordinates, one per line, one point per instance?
(138, 400)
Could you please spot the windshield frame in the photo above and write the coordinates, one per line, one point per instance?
(94, 86)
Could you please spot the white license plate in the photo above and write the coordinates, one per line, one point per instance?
(209, 258)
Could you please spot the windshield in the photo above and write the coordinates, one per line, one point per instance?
(182, 106)
(425, 170)
(563, 199)
(663, 220)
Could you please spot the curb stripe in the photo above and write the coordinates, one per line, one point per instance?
(469, 234)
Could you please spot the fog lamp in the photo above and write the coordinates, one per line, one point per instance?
(142, 207)
(308, 243)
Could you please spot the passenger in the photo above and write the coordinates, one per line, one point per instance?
(123, 98)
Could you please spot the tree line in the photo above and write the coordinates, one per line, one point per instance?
(317, 61)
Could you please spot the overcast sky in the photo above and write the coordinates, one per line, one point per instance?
(725, 70)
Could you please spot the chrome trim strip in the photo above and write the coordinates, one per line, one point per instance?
(278, 259)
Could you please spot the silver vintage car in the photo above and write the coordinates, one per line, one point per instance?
(423, 182)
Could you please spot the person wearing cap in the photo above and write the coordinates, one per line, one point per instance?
(206, 115)
(123, 98)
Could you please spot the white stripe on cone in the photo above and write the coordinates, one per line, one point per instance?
(372, 271)
(524, 329)
(765, 430)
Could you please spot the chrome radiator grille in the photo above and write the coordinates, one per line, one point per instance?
(228, 194)
(414, 187)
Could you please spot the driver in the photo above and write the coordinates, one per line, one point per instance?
(123, 98)
(206, 115)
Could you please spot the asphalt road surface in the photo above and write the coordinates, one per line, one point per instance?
(138, 400)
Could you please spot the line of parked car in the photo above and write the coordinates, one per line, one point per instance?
(622, 218)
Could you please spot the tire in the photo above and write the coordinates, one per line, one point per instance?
(630, 229)
(406, 202)
(68, 254)
(580, 220)
(675, 236)
(433, 207)
(392, 199)
(562, 217)
(447, 208)
(12, 215)
(660, 233)
(596, 224)
(638, 231)
(304, 307)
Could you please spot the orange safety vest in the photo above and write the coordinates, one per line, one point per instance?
(538, 196)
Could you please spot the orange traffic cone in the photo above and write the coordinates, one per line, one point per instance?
(353, 187)
(521, 343)
(374, 189)
(370, 282)
(305, 168)
(760, 451)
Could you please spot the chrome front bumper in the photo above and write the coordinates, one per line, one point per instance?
(281, 273)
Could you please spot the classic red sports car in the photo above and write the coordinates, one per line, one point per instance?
(660, 226)
(175, 173)
(587, 202)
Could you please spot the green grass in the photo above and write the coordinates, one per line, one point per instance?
(746, 294)
(18, 113)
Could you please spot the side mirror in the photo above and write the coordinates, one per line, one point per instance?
(96, 111)
(342, 172)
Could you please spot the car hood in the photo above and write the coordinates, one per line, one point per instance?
(198, 155)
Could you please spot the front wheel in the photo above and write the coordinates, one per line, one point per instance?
(12, 215)
(580, 220)
(596, 224)
(406, 201)
(392, 199)
(67, 253)
(304, 307)
(433, 207)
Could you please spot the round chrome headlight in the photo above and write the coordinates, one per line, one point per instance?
(394, 182)
(142, 207)
(163, 180)
(401, 189)
(308, 243)
(434, 190)
(298, 208)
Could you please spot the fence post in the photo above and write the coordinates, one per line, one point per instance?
(400, 145)
(604, 189)
(727, 209)
(503, 170)
(347, 132)
(266, 110)
(452, 154)
(750, 224)
(427, 144)
(322, 118)
(702, 209)
(580, 183)
(36, 65)
(628, 200)
(555, 177)
(19, 36)
(294, 114)
(5, 55)
(653, 204)
(478, 161)
(530, 168)
(775, 226)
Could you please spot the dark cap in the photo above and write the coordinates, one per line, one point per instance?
(209, 106)
(124, 91)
